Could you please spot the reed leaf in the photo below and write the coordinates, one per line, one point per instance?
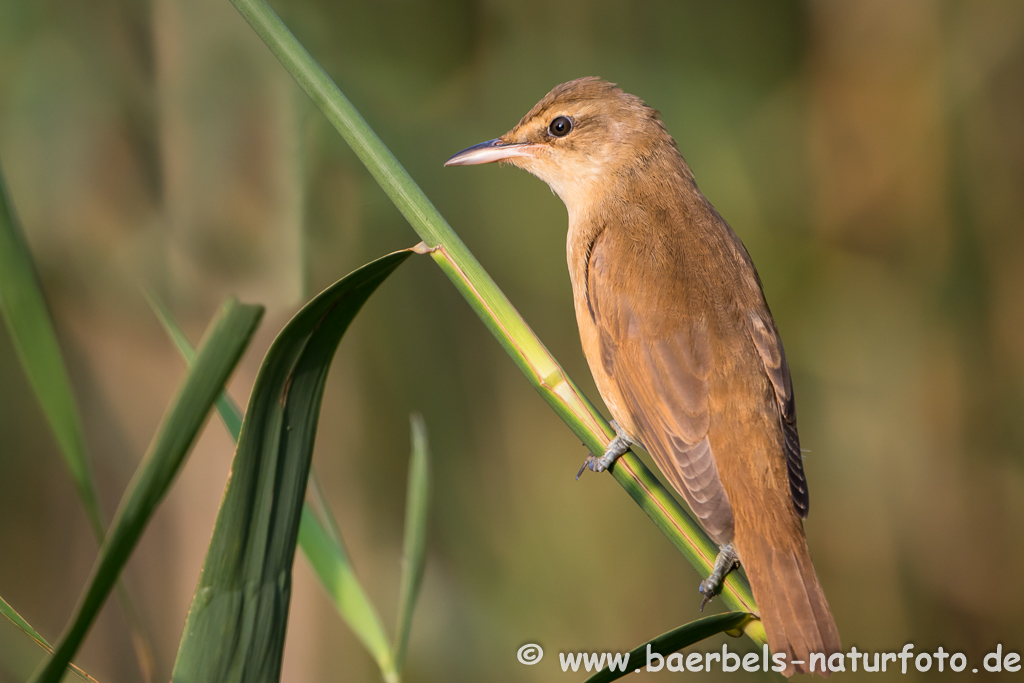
(675, 640)
(236, 625)
(320, 541)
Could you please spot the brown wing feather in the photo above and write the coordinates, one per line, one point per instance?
(670, 411)
(769, 347)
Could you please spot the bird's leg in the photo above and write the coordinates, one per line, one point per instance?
(616, 447)
(726, 561)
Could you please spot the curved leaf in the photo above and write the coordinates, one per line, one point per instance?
(320, 541)
(676, 640)
(236, 625)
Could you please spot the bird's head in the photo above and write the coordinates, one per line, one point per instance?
(577, 139)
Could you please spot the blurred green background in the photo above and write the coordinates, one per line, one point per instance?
(870, 155)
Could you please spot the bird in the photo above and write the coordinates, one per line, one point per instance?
(681, 343)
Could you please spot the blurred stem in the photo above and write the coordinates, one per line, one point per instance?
(497, 313)
(23, 307)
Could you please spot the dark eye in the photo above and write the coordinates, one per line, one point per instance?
(560, 127)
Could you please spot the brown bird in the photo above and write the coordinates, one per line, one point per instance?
(681, 343)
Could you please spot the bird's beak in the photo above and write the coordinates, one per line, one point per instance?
(490, 151)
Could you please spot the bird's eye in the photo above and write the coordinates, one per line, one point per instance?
(560, 127)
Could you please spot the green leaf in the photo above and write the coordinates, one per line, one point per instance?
(35, 341)
(676, 640)
(219, 353)
(414, 551)
(340, 582)
(236, 626)
(320, 541)
(17, 620)
(228, 410)
(322, 515)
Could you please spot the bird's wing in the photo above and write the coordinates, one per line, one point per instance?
(769, 346)
(661, 368)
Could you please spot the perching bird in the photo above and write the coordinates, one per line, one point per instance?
(680, 340)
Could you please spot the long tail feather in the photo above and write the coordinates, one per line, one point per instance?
(796, 615)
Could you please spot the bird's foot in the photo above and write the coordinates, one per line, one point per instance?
(616, 447)
(726, 561)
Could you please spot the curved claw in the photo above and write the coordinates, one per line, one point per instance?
(707, 591)
(586, 462)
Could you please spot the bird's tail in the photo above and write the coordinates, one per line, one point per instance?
(796, 615)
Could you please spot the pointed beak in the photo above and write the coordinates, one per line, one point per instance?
(491, 151)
